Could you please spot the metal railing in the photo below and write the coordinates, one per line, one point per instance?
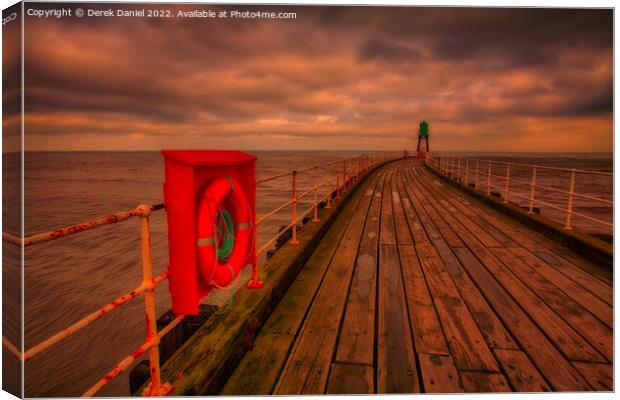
(523, 181)
(338, 177)
(330, 179)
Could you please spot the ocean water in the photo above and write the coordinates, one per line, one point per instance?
(71, 277)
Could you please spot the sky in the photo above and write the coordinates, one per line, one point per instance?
(359, 78)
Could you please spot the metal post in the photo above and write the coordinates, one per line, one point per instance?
(477, 173)
(149, 298)
(571, 192)
(294, 241)
(316, 201)
(466, 172)
(489, 180)
(329, 199)
(255, 283)
(506, 188)
(532, 190)
(337, 184)
(344, 176)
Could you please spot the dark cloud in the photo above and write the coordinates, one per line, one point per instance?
(377, 49)
(330, 72)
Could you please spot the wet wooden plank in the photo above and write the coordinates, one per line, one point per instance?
(535, 242)
(501, 237)
(425, 220)
(260, 368)
(466, 342)
(600, 309)
(357, 335)
(587, 275)
(594, 331)
(491, 327)
(428, 335)
(484, 382)
(439, 374)
(494, 332)
(403, 235)
(554, 367)
(480, 233)
(604, 274)
(571, 343)
(453, 197)
(350, 379)
(600, 289)
(574, 346)
(417, 198)
(307, 368)
(397, 371)
(520, 371)
(583, 270)
(600, 376)
(387, 234)
(415, 225)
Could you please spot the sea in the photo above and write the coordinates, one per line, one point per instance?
(68, 278)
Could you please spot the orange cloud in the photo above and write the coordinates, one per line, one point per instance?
(342, 78)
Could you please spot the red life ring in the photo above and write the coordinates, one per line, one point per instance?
(214, 269)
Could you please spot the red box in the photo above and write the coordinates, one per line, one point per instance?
(188, 173)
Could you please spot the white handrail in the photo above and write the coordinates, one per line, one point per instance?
(444, 165)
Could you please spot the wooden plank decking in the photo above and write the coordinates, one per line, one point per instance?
(418, 288)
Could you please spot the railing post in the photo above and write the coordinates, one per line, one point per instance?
(294, 241)
(476, 186)
(344, 175)
(466, 171)
(452, 168)
(532, 191)
(316, 201)
(329, 198)
(149, 299)
(255, 282)
(458, 171)
(507, 185)
(489, 179)
(571, 192)
(337, 183)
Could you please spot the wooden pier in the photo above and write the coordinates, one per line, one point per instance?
(417, 287)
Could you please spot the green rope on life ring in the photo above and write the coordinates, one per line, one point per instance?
(226, 231)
